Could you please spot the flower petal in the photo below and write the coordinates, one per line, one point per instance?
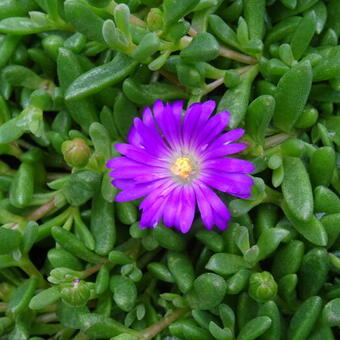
(148, 119)
(204, 208)
(124, 162)
(134, 192)
(151, 139)
(208, 108)
(190, 122)
(152, 215)
(195, 120)
(114, 162)
(123, 183)
(220, 222)
(140, 155)
(225, 139)
(169, 121)
(187, 213)
(226, 150)
(220, 212)
(160, 191)
(153, 205)
(212, 129)
(229, 165)
(234, 184)
(170, 213)
(139, 174)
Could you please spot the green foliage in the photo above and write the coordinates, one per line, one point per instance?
(73, 77)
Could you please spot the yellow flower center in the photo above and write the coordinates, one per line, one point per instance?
(182, 167)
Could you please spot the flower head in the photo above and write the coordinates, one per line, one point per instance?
(176, 161)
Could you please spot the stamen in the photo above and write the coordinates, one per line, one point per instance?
(182, 167)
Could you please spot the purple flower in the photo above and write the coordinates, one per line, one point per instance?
(175, 160)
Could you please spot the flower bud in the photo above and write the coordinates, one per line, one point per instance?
(262, 286)
(61, 275)
(6, 291)
(76, 152)
(5, 322)
(154, 19)
(76, 293)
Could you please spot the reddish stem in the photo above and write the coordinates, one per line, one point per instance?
(41, 211)
(150, 332)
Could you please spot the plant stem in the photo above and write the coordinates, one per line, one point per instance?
(88, 272)
(275, 140)
(51, 176)
(213, 85)
(41, 211)
(147, 257)
(243, 69)
(45, 228)
(273, 196)
(192, 32)
(195, 98)
(3, 307)
(172, 78)
(14, 150)
(47, 317)
(30, 269)
(157, 327)
(218, 82)
(231, 54)
(223, 51)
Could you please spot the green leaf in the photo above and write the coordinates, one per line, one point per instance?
(311, 229)
(208, 291)
(182, 270)
(147, 94)
(84, 19)
(44, 298)
(203, 47)
(226, 264)
(291, 95)
(124, 112)
(176, 9)
(10, 240)
(236, 100)
(81, 186)
(313, 272)
(70, 316)
(331, 313)
(297, 189)
(101, 77)
(259, 114)
(303, 320)
(22, 25)
(124, 292)
(254, 328)
(20, 299)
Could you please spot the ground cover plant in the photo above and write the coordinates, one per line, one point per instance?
(75, 76)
